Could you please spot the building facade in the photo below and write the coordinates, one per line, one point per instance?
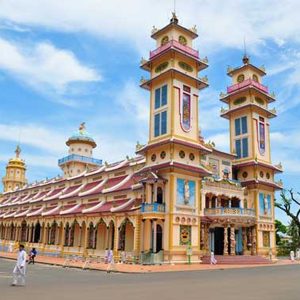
(178, 193)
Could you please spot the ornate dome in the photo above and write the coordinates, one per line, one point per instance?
(81, 136)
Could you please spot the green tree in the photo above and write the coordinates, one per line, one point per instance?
(280, 228)
(289, 204)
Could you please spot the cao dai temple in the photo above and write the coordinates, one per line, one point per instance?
(177, 193)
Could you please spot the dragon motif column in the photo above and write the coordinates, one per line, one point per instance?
(225, 252)
(232, 240)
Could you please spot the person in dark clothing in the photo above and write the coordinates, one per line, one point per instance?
(32, 255)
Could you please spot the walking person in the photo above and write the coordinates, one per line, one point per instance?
(110, 261)
(213, 260)
(32, 255)
(20, 268)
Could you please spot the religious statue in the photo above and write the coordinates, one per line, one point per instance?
(186, 192)
(82, 128)
(265, 205)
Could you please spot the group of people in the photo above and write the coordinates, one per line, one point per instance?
(19, 271)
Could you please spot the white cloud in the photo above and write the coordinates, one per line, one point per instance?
(44, 67)
(132, 98)
(221, 23)
(221, 140)
(34, 135)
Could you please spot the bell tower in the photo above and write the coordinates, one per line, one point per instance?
(173, 170)
(174, 83)
(80, 156)
(249, 118)
(15, 177)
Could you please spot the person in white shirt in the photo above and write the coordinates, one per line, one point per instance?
(20, 268)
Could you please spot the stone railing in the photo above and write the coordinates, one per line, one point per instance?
(177, 45)
(246, 83)
(229, 211)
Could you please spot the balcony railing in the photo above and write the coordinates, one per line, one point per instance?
(80, 158)
(177, 45)
(153, 207)
(229, 211)
(245, 83)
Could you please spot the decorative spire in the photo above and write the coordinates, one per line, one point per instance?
(246, 58)
(174, 18)
(18, 151)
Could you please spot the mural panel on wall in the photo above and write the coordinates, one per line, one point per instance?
(185, 235)
(185, 192)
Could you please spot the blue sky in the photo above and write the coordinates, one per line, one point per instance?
(65, 63)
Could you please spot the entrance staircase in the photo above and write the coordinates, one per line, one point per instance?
(237, 260)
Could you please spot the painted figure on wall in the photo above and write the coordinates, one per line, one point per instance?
(185, 192)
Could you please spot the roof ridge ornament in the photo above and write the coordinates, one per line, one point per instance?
(174, 18)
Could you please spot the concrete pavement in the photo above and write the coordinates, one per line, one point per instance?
(50, 282)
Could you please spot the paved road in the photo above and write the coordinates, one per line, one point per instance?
(46, 282)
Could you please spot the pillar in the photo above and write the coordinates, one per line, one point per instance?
(107, 238)
(116, 238)
(225, 240)
(232, 240)
(142, 234)
(154, 235)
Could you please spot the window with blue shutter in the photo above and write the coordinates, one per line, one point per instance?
(160, 123)
(244, 125)
(237, 127)
(161, 96)
(156, 125)
(164, 122)
(164, 95)
(241, 126)
(245, 147)
(157, 98)
(238, 148)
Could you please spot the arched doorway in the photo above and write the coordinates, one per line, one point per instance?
(23, 231)
(91, 238)
(111, 235)
(101, 236)
(53, 229)
(126, 236)
(37, 233)
(159, 238)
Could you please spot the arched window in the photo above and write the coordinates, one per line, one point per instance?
(255, 78)
(159, 197)
(240, 78)
(164, 40)
(182, 40)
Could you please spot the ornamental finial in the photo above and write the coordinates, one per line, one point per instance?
(18, 151)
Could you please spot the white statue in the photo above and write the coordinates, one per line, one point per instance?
(266, 206)
(186, 192)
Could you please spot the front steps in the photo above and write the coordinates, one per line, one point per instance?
(237, 260)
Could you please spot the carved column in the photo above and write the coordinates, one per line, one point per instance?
(225, 252)
(244, 235)
(253, 251)
(232, 240)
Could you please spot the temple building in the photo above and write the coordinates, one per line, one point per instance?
(177, 193)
